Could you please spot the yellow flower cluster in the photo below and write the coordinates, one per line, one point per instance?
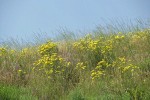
(12, 51)
(130, 67)
(107, 46)
(103, 63)
(50, 62)
(123, 65)
(48, 48)
(25, 51)
(87, 44)
(99, 69)
(96, 74)
(122, 59)
(3, 51)
(120, 64)
(117, 37)
(80, 66)
(140, 36)
(94, 46)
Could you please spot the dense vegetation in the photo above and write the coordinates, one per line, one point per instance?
(95, 67)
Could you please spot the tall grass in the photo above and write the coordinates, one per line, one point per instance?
(97, 66)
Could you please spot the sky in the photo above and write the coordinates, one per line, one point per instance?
(24, 18)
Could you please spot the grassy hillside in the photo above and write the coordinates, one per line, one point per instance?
(95, 67)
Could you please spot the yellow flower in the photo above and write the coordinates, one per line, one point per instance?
(118, 37)
(126, 68)
(96, 74)
(19, 70)
(25, 50)
(102, 63)
(49, 77)
(48, 48)
(80, 66)
(3, 51)
(123, 60)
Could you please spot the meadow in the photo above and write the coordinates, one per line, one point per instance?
(95, 66)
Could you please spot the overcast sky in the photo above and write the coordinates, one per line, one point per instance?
(20, 18)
